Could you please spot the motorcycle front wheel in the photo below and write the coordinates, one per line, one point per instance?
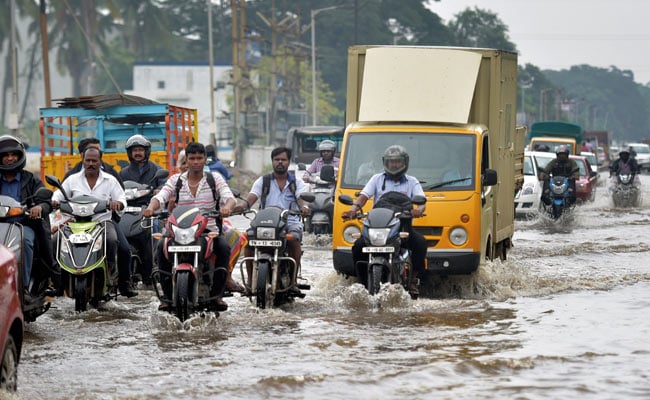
(264, 292)
(374, 278)
(80, 300)
(183, 295)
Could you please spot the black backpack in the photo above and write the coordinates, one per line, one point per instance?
(266, 187)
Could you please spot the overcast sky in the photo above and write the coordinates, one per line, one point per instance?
(556, 34)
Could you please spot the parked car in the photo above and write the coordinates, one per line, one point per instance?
(601, 157)
(528, 198)
(591, 157)
(11, 320)
(586, 184)
(642, 156)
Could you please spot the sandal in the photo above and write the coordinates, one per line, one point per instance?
(234, 286)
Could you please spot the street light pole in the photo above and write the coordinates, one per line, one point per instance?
(314, 118)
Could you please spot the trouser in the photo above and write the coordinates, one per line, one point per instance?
(142, 243)
(116, 244)
(28, 254)
(220, 249)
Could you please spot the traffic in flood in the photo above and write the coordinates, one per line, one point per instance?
(563, 316)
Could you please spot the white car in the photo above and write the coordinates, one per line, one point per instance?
(528, 199)
(642, 151)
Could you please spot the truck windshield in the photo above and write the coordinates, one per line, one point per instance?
(440, 161)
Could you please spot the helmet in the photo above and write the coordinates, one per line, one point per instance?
(561, 149)
(138, 140)
(9, 143)
(395, 152)
(327, 145)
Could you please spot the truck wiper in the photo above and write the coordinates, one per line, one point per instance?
(441, 184)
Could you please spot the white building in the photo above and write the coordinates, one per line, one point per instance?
(188, 85)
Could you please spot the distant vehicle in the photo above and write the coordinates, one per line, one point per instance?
(642, 156)
(602, 156)
(528, 198)
(613, 152)
(591, 157)
(304, 141)
(548, 135)
(11, 320)
(586, 184)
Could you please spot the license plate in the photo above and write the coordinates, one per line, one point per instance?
(265, 243)
(184, 249)
(130, 209)
(79, 238)
(378, 249)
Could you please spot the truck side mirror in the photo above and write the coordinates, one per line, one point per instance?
(327, 173)
(489, 177)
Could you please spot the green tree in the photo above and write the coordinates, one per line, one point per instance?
(480, 28)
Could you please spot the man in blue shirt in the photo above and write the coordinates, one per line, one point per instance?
(393, 179)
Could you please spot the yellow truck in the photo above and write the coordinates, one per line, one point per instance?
(452, 109)
(113, 119)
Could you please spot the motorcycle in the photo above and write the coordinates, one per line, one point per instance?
(81, 250)
(385, 231)
(139, 230)
(186, 243)
(625, 191)
(559, 197)
(322, 208)
(276, 278)
(36, 299)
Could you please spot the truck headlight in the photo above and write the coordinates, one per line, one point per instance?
(458, 236)
(350, 233)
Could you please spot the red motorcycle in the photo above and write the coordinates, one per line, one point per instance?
(188, 247)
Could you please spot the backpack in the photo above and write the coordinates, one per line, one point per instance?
(211, 183)
(266, 187)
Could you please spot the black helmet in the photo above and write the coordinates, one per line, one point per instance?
(624, 151)
(9, 143)
(138, 140)
(396, 152)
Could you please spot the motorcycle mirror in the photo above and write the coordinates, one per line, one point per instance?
(301, 167)
(54, 181)
(308, 196)
(346, 199)
(327, 173)
(489, 177)
(43, 194)
(419, 200)
(161, 174)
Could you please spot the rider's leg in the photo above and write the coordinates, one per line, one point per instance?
(293, 246)
(123, 263)
(222, 252)
(357, 255)
(28, 254)
(418, 246)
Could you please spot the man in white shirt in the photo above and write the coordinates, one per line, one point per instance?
(92, 181)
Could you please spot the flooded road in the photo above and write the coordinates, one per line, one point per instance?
(565, 316)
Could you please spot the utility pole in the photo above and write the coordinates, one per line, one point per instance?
(238, 12)
(314, 115)
(213, 123)
(13, 116)
(46, 58)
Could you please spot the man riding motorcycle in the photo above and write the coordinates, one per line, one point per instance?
(327, 148)
(393, 179)
(20, 184)
(562, 165)
(142, 170)
(624, 164)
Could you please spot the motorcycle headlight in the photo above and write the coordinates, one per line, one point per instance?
(458, 236)
(83, 209)
(264, 232)
(184, 236)
(378, 236)
(350, 232)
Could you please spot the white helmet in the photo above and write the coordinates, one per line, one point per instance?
(138, 140)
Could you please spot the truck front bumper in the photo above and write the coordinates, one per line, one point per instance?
(438, 262)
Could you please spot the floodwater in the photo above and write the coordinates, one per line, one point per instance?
(566, 316)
